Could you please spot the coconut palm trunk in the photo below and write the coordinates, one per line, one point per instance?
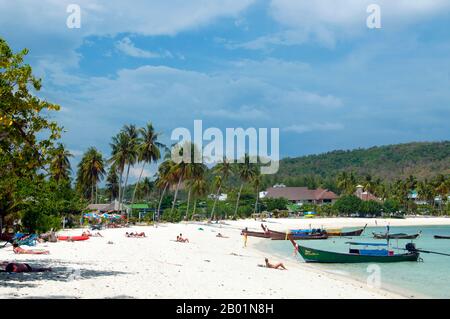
(256, 201)
(188, 201)
(176, 193)
(195, 207)
(215, 202)
(161, 199)
(137, 184)
(120, 189)
(92, 193)
(125, 185)
(237, 201)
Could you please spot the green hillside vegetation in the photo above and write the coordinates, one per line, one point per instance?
(421, 159)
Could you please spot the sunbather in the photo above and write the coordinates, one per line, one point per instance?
(87, 233)
(142, 234)
(20, 267)
(19, 250)
(274, 266)
(181, 239)
(221, 236)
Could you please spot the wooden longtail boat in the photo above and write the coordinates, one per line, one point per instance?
(255, 233)
(441, 237)
(395, 236)
(275, 235)
(340, 233)
(356, 255)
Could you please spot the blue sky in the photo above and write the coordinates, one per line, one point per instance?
(313, 69)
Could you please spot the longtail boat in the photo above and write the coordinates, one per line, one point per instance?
(395, 236)
(365, 255)
(340, 233)
(441, 237)
(276, 235)
(255, 233)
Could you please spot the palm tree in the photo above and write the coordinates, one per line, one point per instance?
(146, 187)
(149, 150)
(346, 182)
(132, 134)
(60, 165)
(223, 171)
(164, 179)
(256, 181)
(198, 183)
(368, 183)
(442, 188)
(92, 170)
(123, 153)
(112, 183)
(195, 176)
(181, 169)
(246, 172)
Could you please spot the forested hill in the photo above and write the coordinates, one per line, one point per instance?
(421, 159)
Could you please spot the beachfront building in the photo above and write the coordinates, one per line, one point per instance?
(103, 208)
(365, 195)
(141, 209)
(221, 197)
(302, 195)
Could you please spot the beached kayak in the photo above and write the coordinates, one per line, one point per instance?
(73, 238)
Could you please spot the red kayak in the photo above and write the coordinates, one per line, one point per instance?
(73, 238)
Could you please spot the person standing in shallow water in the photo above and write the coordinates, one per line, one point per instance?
(245, 238)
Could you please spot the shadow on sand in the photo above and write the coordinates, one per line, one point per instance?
(60, 273)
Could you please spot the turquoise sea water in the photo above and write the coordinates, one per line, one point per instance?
(430, 278)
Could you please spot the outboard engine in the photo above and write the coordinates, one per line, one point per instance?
(411, 247)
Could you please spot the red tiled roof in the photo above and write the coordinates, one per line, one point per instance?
(367, 196)
(300, 193)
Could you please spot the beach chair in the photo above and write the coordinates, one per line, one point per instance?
(27, 240)
(97, 227)
(14, 238)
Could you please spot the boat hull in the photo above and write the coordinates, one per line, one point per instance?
(441, 237)
(311, 255)
(256, 234)
(274, 235)
(395, 236)
(345, 234)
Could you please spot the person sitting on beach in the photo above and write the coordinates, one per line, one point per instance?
(181, 239)
(20, 267)
(142, 234)
(274, 266)
(19, 250)
(221, 236)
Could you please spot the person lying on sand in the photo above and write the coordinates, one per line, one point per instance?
(87, 233)
(274, 266)
(135, 234)
(181, 239)
(221, 236)
(20, 267)
(19, 250)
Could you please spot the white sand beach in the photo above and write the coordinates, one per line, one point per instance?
(207, 267)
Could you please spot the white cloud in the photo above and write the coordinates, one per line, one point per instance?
(245, 112)
(135, 171)
(312, 127)
(127, 47)
(41, 25)
(326, 20)
(305, 13)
